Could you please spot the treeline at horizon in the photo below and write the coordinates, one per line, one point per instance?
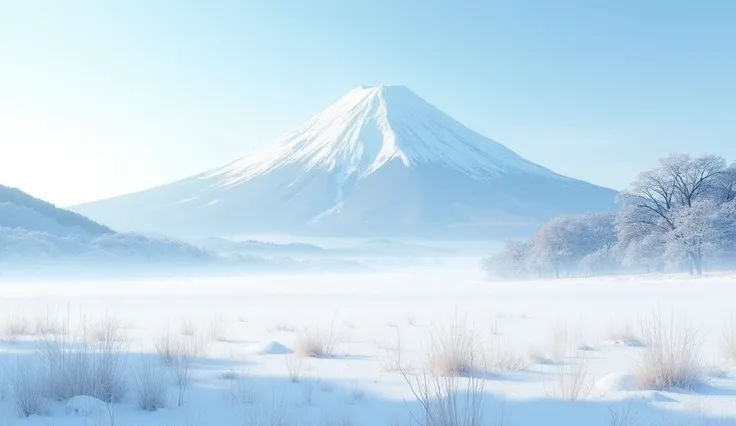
(678, 216)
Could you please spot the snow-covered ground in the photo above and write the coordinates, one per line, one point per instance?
(249, 325)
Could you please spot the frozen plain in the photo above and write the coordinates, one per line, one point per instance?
(243, 380)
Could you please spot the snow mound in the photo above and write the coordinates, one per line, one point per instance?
(615, 382)
(268, 348)
(83, 405)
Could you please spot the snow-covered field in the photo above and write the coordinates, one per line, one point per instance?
(533, 337)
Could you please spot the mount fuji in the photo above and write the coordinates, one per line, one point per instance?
(379, 161)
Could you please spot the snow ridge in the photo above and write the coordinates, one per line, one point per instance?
(374, 126)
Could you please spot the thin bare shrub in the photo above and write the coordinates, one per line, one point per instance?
(495, 328)
(195, 348)
(294, 366)
(172, 348)
(337, 420)
(671, 356)
(73, 365)
(217, 329)
(273, 414)
(621, 416)
(48, 322)
(166, 346)
(4, 386)
(357, 391)
(241, 390)
(499, 358)
(446, 400)
(182, 377)
(229, 375)
(572, 381)
(728, 335)
(151, 390)
(187, 327)
(25, 383)
(559, 338)
(179, 353)
(390, 353)
(307, 391)
(16, 325)
(452, 348)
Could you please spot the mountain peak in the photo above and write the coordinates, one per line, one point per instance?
(372, 126)
(378, 161)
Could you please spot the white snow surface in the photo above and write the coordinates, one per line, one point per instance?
(372, 126)
(232, 385)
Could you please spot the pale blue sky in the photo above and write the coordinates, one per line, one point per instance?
(101, 98)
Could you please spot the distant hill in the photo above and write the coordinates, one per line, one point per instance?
(224, 245)
(40, 239)
(20, 210)
(386, 247)
(33, 231)
(372, 248)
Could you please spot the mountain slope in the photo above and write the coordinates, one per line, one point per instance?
(380, 160)
(20, 210)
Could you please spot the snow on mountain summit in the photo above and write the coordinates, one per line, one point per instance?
(372, 126)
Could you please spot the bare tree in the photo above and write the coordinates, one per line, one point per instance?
(550, 245)
(659, 199)
(726, 184)
(510, 262)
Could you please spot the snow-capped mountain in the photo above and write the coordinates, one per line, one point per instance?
(380, 160)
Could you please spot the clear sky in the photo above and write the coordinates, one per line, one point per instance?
(102, 98)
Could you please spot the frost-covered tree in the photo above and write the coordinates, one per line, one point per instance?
(599, 235)
(511, 262)
(677, 203)
(564, 241)
(552, 245)
(645, 252)
(682, 212)
(695, 235)
(726, 184)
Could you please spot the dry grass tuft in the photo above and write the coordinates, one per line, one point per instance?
(390, 353)
(318, 343)
(152, 391)
(571, 364)
(453, 349)
(172, 348)
(671, 356)
(499, 358)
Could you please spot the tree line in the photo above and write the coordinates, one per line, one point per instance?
(679, 216)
